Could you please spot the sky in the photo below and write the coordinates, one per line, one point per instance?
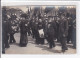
(25, 8)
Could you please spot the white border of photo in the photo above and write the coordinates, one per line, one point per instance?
(40, 0)
(16, 3)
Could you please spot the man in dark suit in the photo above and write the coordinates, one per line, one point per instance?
(63, 32)
(57, 29)
(12, 30)
(5, 33)
(36, 31)
(51, 32)
(33, 27)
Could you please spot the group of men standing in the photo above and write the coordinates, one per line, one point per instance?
(62, 29)
(53, 30)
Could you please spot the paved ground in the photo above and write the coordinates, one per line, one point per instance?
(32, 48)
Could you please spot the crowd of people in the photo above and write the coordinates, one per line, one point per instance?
(61, 28)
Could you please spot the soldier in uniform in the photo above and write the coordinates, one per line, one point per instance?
(23, 31)
(63, 32)
(51, 32)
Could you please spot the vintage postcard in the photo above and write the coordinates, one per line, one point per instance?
(39, 29)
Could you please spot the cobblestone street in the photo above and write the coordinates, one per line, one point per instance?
(33, 48)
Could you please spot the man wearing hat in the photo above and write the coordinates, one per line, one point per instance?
(5, 30)
(12, 30)
(23, 31)
(63, 32)
(51, 32)
(5, 33)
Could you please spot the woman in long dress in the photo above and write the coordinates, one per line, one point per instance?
(23, 32)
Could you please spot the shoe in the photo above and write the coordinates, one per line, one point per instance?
(53, 45)
(10, 42)
(63, 50)
(50, 47)
(74, 47)
(66, 48)
(3, 52)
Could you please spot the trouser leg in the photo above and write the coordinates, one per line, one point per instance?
(3, 47)
(42, 40)
(63, 43)
(13, 38)
(51, 42)
(6, 42)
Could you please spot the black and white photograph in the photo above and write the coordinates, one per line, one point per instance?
(37, 29)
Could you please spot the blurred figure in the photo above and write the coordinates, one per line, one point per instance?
(36, 31)
(45, 29)
(57, 29)
(41, 32)
(5, 32)
(12, 39)
(74, 34)
(69, 30)
(29, 28)
(33, 27)
(51, 33)
(12, 28)
(63, 32)
(23, 32)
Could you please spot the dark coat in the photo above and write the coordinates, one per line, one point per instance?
(63, 28)
(40, 25)
(51, 29)
(6, 27)
(23, 33)
(23, 27)
(5, 32)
